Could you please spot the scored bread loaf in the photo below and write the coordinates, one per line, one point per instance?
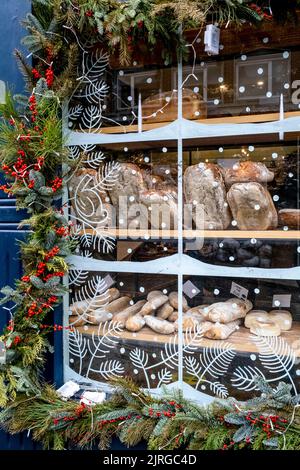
(265, 328)
(106, 312)
(243, 172)
(219, 330)
(203, 184)
(164, 311)
(252, 206)
(154, 302)
(159, 326)
(123, 316)
(83, 306)
(135, 323)
(173, 299)
(228, 311)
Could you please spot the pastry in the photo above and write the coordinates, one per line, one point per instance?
(204, 185)
(173, 299)
(159, 326)
(282, 318)
(255, 315)
(289, 218)
(219, 330)
(243, 172)
(153, 303)
(164, 311)
(122, 317)
(228, 311)
(265, 328)
(252, 206)
(135, 323)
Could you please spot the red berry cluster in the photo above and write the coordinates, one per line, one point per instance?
(89, 13)
(62, 231)
(55, 250)
(32, 107)
(49, 77)
(36, 309)
(260, 11)
(50, 275)
(36, 74)
(17, 340)
(56, 184)
(10, 326)
(55, 327)
(104, 422)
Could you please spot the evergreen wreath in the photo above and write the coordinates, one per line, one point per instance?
(36, 167)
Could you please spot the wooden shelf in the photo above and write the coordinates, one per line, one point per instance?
(240, 339)
(252, 118)
(190, 234)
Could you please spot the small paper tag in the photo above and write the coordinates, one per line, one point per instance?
(68, 389)
(92, 398)
(190, 289)
(2, 353)
(108, 281)
(239, 291)
(281, 300)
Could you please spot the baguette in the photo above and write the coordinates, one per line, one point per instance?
(123, 316)
(159, 326)
(135, 323)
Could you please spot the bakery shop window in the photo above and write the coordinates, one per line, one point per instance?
(126, 208)
(250, 201)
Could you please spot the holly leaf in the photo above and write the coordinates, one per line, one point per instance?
(242, 433)
(52, 282)
(45, 191)
(234, 418)
(38, 178)
(272, 442)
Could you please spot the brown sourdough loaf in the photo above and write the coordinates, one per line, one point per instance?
(245, 172)
(252, 206)
(228, 311)
(129, 184)
(203, 184)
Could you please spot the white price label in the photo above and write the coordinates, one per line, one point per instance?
(281, 300)
(108, 281)
(239, 291)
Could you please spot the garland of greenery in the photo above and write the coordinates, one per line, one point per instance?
(36, 164)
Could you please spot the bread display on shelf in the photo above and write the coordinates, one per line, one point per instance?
(245, 171)
(289, 218)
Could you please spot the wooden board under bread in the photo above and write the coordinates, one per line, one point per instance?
(240, 339)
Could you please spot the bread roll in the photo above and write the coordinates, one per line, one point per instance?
(255, 315)
(219, 330)
(173, 316)
(164, 311)
(188, 322)
(225, 312)
(98, 316)
(153, 303)
(252, 206)
(106, 313)
(154, 293)
(282, 318)
(123, 316)
(158, 325)
(173, 299)
(135, 323)
(203, 184)
(76, 320)
(83, 306)
(243, 172)
(265, 328)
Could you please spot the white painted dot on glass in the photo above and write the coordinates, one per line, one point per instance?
(146, 236)
(165, 248)
(265, 40)
(149, 80)
(122, 350)
(260, 71)
(221, 150)
(216, 292)
(298, 372)
(153, 376)
(131, 198)
(129, 98)
(168, 99)
(125, 149)
(286, 55)
(248, 109)
(197, 113)
(268, 94)
(216, 102)
(253, 241)
(221, 245)
(251, 148)
(131, 302)
(129, 250)
(135, 371)
(234, 223)
(252, 357)
(298, 249)
(243, 57)
(277, 303)
(121, 73)
(231, 258)
(221, 47)
(220, 79)
(146, 159)
(257, 207)
(286, 86)
(153, 354)
(241, 89)
(274, 155)
(167, 172)
(133, 172)
(285, 228)
(71, 361)
(142, 289)
(276, 198)
(164, 149)
(165, 291)
(256, 291)
(124, 118)
(291, 175)
(196, 89)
